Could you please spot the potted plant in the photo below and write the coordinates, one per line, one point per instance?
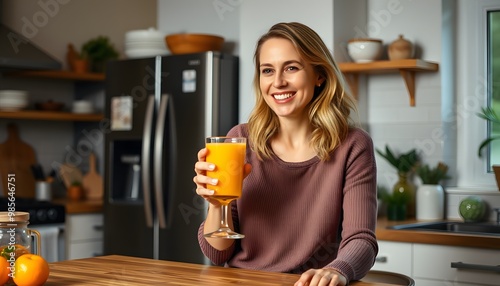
(430, 195)
(489, 114)
(77, 62)
(75, 191)
(432, 176)
(395, 202)
(404, 164)
(99, 50)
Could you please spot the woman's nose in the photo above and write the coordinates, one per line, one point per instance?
(279, 80)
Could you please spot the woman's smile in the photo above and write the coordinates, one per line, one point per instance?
(283, 96)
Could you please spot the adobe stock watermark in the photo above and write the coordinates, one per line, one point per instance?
(464, 111)
(222, 7)
(48, 9)
(11, 213)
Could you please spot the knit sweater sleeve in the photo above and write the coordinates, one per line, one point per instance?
(358, 247)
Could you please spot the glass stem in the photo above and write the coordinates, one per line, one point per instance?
(223, 221)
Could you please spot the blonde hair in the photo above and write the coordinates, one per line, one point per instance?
(330, 107)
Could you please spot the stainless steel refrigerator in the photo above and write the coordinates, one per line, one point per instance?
(158, 111)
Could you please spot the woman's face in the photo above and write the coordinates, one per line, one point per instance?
(286, 81)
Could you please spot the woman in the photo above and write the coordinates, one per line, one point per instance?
(309, 199)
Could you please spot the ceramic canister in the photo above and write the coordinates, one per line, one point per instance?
(430, 202)
(400, 49)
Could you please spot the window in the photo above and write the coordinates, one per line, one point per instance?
(474, 89)
(493, 63)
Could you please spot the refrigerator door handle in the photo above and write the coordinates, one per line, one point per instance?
(146, 150)
(158, 160)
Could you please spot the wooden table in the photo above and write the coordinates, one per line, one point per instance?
(130, 271)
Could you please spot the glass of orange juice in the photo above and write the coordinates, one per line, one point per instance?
(228, 156)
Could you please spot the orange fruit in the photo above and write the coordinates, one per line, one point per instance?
(4, 270)
(18, 249)
(31, 270)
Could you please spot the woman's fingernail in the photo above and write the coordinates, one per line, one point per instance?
(214, 181)
(211, 192)
(211, 166)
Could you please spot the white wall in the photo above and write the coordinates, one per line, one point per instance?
(391, 119)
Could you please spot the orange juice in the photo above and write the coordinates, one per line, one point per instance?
(229, 159)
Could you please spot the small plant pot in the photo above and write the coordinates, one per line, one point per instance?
(396, 211)
(80, 65)
(496, 169)
(75, 193)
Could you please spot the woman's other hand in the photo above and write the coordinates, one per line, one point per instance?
(321, 277)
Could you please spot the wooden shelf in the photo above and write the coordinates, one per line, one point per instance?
(60, 74)
(48, 115)
(407, 68)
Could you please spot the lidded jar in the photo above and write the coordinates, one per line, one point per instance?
(400, 49)
(15, 236)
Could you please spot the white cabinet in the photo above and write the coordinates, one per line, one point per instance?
(442, 263)
(84, 235)
(394, 257)
(439, 265)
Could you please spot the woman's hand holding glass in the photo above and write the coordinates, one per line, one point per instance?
(220, 181)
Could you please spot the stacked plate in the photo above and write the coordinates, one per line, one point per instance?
(144, 44)
(13, 100)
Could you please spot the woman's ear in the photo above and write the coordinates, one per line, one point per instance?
(320, 81)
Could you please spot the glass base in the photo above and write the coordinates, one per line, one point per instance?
(224, 233)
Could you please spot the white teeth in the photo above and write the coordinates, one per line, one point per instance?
(282, 96)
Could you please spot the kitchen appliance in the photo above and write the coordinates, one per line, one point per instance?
(160, 110)
(47, 218)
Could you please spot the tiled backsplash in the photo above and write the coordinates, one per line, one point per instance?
(455, 195)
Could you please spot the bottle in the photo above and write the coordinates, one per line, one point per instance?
(404, 188)
(16, 238)
(400, 49)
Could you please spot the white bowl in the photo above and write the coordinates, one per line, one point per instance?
(150, 34)
(12, 100)
(364, 50)
(82, 106)
(8, 93)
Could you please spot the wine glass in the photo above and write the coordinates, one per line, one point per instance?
(228, 156)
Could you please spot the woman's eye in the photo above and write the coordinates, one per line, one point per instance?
(291, 69)
(266, 71)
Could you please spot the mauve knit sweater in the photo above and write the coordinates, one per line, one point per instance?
(302, 215)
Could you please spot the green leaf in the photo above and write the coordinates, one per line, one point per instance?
(404, 162)
(488, 114)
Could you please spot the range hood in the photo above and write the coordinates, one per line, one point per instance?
(19, 53)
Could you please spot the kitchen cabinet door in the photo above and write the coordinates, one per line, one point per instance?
(434, 262)
(84, 235)
(394, 257)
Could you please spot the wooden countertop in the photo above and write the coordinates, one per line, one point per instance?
(433, 237)
(83, 206)
(131, 271)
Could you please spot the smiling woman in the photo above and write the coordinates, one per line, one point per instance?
(305, 161)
